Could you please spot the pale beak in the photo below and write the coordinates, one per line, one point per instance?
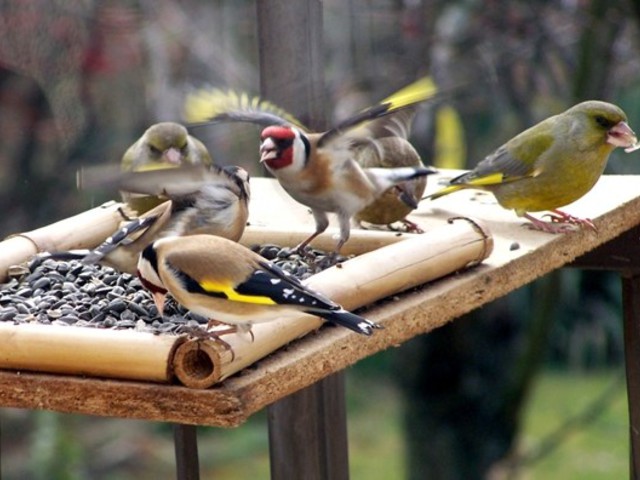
(268, 150)
(173, 156)
(621, 135)
(158, 299)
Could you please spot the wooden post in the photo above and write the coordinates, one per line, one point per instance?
(308, 433)
(631, 313)
(291, 58)
(186, 447)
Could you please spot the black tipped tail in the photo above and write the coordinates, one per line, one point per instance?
(110, 244)
(423, 172)
(65, 255)
(351, 321)
(387, 177)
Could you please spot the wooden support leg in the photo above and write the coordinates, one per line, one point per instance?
(308, 433)
(631, 305)
(186, 447)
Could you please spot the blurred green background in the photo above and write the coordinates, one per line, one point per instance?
(493, 395)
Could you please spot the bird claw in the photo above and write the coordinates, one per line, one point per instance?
(560, 222)
(206, 334)
(411, 227)
(123, 214)
(558, 216)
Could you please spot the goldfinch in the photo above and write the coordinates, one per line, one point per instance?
(223, 281)
(551, 164)
(162, 145)
(396, 203)
(321, 170)
(202, 200)
(391, 150)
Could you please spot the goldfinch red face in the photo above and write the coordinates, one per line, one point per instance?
(281, 146)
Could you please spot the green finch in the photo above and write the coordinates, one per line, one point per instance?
(551, 164)
(162, 145)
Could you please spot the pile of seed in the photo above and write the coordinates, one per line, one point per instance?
(47, 291)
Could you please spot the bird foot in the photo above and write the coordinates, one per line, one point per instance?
(409, 226)
(328, 260)
(305, 252)
(216, 334)
(206, 334)
(560, 222)
(124, 215)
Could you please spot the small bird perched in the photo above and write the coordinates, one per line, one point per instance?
(202, 200)
(551, 164)
(162, 145)
(396, 203)
(223, 281)
(392, 149)
(321, 170)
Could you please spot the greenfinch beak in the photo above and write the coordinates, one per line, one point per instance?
(621, 135)
(172, 156)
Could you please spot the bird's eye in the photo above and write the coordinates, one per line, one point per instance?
(154, 150)
(283, 143)
(604, 122)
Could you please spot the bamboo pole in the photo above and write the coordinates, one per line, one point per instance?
(85, 230)
(355, 283)
(88, 351)
(360, 241)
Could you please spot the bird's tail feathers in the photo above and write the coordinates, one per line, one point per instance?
(388, 177)
(111, 243)
(443, 192)
(64, 255)
(350, 320)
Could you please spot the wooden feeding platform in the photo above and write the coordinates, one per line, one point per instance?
(472, 252)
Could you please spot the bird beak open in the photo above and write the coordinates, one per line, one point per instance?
(158, 299)
(621, 135)
(173, 156)
(268, 150)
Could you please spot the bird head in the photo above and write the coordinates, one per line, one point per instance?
(167, 143)
(150, 278)
(281, 146)
(608, 118)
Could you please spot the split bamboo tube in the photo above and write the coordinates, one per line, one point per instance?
(360, 241)
(88, 351)
(355, 283)
(85, 230)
